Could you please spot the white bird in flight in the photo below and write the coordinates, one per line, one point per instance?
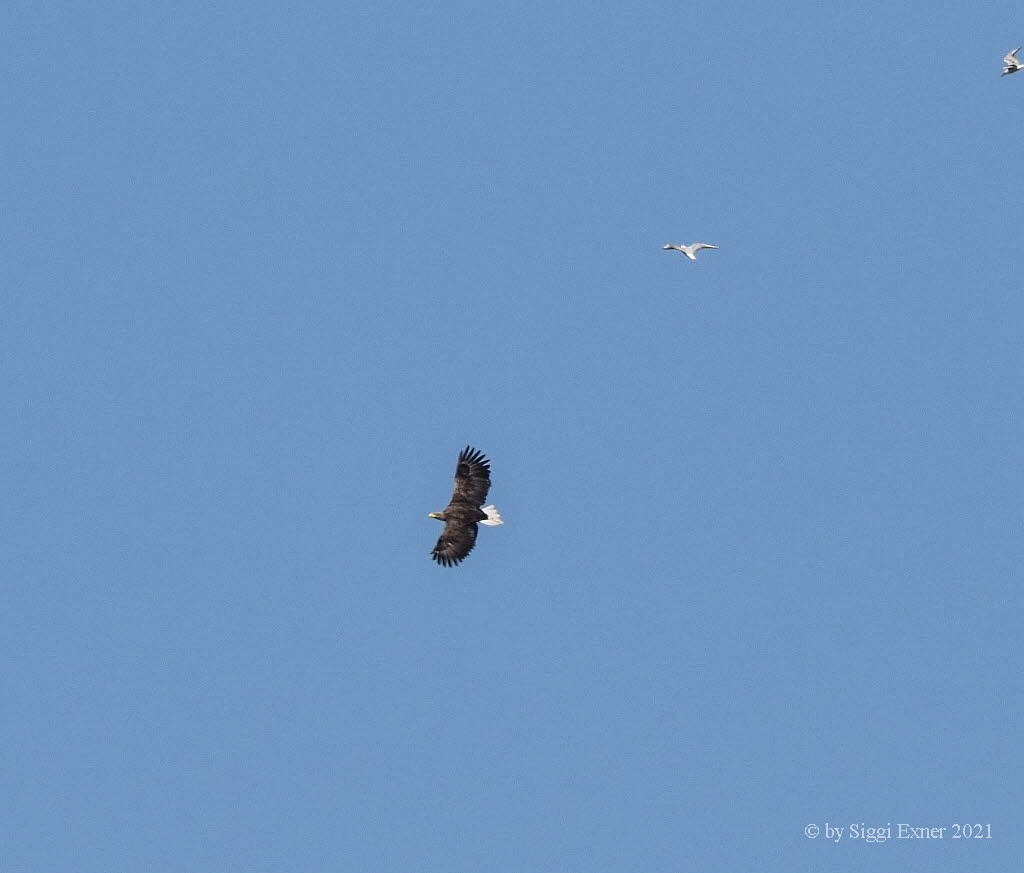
(691, 250)
(1011, 62)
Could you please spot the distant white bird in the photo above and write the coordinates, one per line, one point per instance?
(1011, 62)
(691, 250)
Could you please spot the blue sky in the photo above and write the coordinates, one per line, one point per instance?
(268, 268)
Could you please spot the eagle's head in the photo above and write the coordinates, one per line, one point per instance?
(438, 515)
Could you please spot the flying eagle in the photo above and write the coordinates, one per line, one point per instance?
(460, 517)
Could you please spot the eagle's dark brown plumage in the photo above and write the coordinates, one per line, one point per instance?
(466, 510)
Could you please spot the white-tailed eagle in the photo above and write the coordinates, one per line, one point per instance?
(472, 482)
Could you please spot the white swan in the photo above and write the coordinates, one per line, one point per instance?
(691, 250)
(1011, 63)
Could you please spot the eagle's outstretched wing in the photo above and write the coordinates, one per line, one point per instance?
(472, 480)
(456, 541)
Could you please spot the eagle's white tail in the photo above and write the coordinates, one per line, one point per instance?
(493, 516)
